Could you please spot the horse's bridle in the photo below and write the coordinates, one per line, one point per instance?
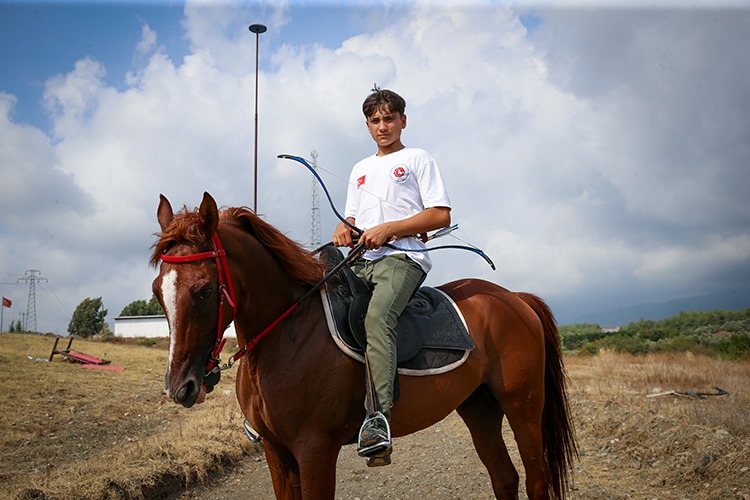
(226, 291)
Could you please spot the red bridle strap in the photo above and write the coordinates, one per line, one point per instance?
(226, 290)
(254, 341)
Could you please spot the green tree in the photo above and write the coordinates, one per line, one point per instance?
(575, 336)
(143, 308)
(106, 331)
(88, 318)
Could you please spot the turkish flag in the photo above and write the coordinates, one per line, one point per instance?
(7, 302)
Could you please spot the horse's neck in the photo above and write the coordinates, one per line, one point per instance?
(291, 353)
(264, 290)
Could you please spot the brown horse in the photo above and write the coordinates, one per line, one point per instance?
(305, 397)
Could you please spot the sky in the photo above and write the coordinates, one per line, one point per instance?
(598, 152)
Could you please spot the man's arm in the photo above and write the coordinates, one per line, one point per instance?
(426, 220)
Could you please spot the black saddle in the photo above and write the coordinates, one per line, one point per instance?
(431, 334)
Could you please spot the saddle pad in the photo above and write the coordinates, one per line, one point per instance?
(431, 333)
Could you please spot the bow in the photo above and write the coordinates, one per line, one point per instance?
(354, 228)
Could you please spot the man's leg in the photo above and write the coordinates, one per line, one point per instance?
(396, 277)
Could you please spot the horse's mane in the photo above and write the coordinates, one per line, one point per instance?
(299, 264)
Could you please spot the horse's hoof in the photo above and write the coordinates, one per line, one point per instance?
(379, 460)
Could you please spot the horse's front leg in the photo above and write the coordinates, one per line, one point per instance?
(317, 465)
(285, 472)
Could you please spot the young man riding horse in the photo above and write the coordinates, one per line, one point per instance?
(393, 195)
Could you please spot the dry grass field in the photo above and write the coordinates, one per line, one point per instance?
(70, 432)
(633, 446)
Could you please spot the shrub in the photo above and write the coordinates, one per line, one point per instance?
(676, 344)
(624, 344)
(589, 349)
(735, 346)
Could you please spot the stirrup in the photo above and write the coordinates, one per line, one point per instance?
(378, 448)
(251, 434)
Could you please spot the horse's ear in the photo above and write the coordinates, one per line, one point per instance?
(164, 213)
(209, 215)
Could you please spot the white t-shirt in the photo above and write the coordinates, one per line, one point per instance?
(394, 187)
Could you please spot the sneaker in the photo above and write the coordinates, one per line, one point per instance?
(374, 436)
(380, 459)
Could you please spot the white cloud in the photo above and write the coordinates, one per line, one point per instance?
(147, 42)
(684, 265)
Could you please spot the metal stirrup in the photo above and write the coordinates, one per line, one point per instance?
(377, 447)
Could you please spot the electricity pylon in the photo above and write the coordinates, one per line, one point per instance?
(31, 277)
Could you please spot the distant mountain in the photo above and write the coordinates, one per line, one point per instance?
(730, 300)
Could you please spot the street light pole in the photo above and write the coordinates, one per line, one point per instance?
(257, 29)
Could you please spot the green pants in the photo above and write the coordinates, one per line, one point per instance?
(396, 278)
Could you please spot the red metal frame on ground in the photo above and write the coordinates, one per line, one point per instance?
(75, 356)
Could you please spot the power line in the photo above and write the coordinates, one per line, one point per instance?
(56, 312)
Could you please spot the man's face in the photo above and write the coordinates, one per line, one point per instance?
(385, 128)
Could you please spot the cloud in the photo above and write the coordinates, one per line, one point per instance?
(147, 42)
(35, 193)
(684, 265)
(669, 87)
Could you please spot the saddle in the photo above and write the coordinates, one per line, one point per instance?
(431, 334)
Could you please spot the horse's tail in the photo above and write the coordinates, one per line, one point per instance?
(558, 433)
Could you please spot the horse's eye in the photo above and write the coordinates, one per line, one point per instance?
(204, 292)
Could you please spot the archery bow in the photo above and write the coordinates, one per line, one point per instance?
(354, 228)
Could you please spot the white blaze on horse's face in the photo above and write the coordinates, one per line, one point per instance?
(169, 297)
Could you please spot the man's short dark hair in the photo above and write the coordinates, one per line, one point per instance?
(383, 98)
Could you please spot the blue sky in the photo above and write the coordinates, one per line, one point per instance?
(598, 155)
(38, 40)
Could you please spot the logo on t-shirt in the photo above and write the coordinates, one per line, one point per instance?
(399, 173)
(360, 181)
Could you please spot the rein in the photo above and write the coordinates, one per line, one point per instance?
(227, 291)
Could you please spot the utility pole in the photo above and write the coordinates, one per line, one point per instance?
(315, 213)
(31, 277)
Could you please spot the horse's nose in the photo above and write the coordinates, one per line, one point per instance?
(187, 394)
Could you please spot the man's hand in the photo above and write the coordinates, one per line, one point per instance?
(342, 236)
(377, 236)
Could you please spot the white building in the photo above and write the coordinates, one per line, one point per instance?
(150, 327)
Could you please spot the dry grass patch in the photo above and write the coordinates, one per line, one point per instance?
(666, 443)
(71, 432)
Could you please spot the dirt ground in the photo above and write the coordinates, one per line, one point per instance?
(631, 447)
